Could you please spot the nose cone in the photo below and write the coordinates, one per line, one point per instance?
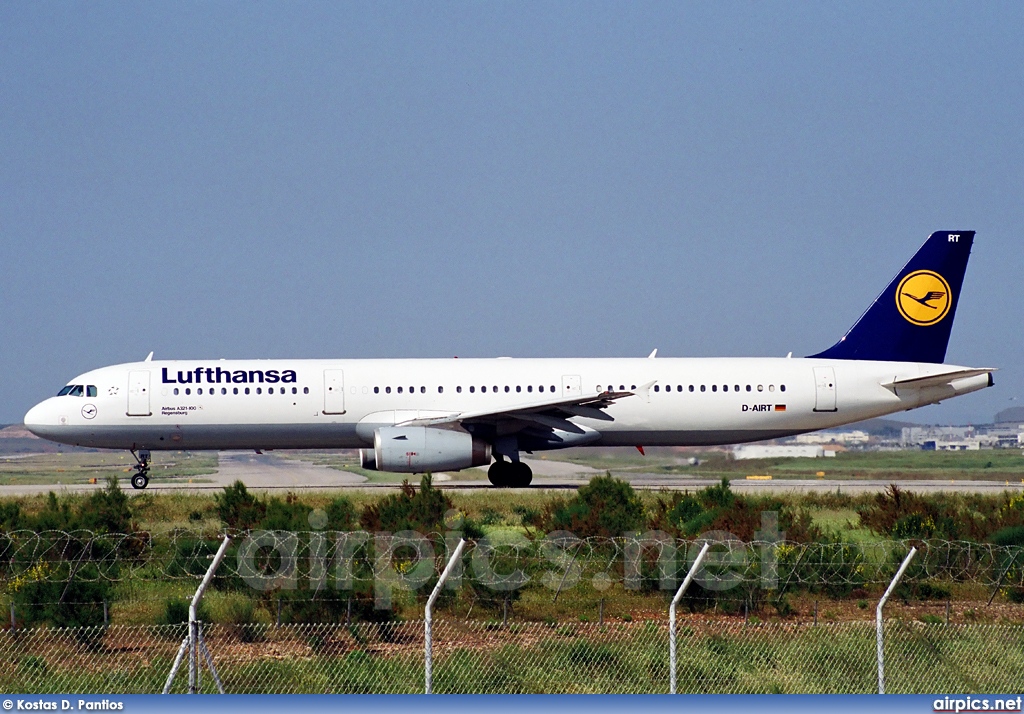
(40, 419)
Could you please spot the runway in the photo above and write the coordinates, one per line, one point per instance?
(271, 472)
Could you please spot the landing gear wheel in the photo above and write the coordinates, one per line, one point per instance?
(522, 475)
(499, 474)
(141, 478)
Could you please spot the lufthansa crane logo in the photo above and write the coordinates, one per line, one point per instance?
(923, 297)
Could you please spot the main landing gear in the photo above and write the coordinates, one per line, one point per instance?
(509, 474)
(141, 478)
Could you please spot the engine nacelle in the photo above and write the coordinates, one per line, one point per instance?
(418, 449)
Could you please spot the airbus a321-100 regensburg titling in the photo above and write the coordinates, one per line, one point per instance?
(420, 415)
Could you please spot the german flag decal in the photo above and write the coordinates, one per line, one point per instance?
(780, 407)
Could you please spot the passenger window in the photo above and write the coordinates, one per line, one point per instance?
(423, 390)
(622, 387)
(483, 389)
(771, 387)
(472, 390)
(387, 390)
(657, 388)
(246, 390)
(540, 388)
(305, 390)
(188, 391)
(495, 390)
(782, 387)
(760, 387)
(440, 390)
(259, 390)
(234, 390)
(399, 390)
(736, 388)
(376, 390)
(714, 387)
(703, 388)
(748, 387)
(552, 389)
(459, 389)
(506, 389)
(529, 388)
(518, 388)
(175, 391)
(270, 390)
(691, 387)
(295, 390)
(199, 391)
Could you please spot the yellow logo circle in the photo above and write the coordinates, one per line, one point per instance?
(923, 297)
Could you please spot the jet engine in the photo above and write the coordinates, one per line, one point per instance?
(417, 449)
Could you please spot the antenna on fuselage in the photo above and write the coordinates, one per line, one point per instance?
(653, 354)
(149, 357)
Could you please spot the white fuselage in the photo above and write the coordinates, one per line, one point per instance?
(302, 404)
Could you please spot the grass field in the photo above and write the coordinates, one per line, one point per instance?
(990, 465)
(79, 467)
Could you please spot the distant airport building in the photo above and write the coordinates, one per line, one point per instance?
(848, 438)
(759, 451)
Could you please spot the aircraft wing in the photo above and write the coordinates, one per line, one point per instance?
(549, 414)
(937, 380)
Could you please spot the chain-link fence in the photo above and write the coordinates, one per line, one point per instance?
(521, 658)
(337, 612)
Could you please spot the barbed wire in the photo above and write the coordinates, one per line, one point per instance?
(322, 560)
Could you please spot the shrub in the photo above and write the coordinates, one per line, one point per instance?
(175, 612)
(605, 507)
(411, 510)
(238, 508)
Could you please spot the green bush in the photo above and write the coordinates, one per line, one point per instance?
(238, 508)
(175, 612)
(420, 510)
(605, 507)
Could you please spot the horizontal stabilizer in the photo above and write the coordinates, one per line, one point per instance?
(938, 380)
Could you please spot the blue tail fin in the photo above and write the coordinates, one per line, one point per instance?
(912, 318)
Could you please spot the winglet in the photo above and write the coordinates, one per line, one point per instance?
(911, 320)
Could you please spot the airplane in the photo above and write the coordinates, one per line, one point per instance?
(426, 415)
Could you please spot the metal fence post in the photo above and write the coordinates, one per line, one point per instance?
(878, 619)
(672, 616)
(428, 614)
(193, 640)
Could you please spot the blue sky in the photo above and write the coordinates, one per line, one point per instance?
(424, 179)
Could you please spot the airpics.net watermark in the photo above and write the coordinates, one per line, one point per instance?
(406, 560)
(977, 704)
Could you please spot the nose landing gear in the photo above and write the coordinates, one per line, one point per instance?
(141, 478)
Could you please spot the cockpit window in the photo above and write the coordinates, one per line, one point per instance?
(66, 390)
(76, 391)
(90, 391)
